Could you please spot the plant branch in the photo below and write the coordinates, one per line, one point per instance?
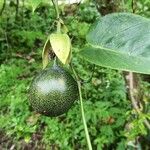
(82, 109)
(133, 6)
(133, 100)
(55, 3)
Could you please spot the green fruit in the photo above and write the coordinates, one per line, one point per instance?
(53, 91)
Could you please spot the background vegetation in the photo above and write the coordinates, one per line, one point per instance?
(112, 122)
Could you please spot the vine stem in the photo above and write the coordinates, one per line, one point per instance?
(82, 109)
(55, 3)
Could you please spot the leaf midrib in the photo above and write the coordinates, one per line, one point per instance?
(117, 51)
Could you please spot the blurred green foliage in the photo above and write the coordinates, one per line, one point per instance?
(111, 121)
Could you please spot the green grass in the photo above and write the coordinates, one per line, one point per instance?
(19, 122)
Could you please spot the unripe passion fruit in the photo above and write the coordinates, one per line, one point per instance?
(53, 91)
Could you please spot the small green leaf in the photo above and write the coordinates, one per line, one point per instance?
(45, 53)
(61, 45)
(69, 57)
(34, 4)
(27, 138)
(1, 4)
(64, 28)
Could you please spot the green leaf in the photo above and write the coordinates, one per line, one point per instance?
(34, 4)
(1, 4)
(61, 45)
(69, 57)
(120, 41)
(64, 28)
(45, 53)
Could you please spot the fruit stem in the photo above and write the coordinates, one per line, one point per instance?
(82, 108)
(55, 61)
(55, 3)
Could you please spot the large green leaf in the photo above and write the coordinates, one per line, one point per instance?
(120, 41)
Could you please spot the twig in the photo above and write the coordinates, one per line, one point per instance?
(133, 100)
(133, 6)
